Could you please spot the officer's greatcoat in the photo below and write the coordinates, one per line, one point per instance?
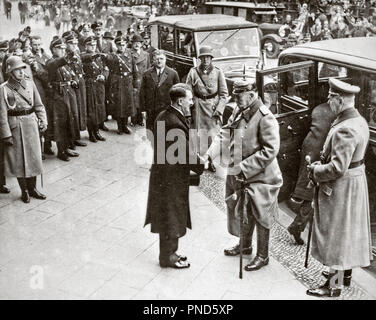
(257, 132)
(63, 124)
(96, 110)
(23, 158)
(210, 94)
(341, 234)
(123, 79)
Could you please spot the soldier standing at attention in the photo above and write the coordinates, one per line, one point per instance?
(95, 84)
(257, 167)
(210, 93)
(142, 61)
(64, 128)
(122, 81)
(22, 115)
(76, 69)
(341, 238)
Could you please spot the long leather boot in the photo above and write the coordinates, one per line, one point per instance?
(262, 256)
(25, 194)
(119, 122)
(247, 240)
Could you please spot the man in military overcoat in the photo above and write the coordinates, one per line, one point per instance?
(252, 138)
(22, 115)
(341, 238)
(122, 81)
(142, 61)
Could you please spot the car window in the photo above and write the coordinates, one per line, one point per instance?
(327, 70)
(186, 44)
(372, 102)
(229, 43)
(166, 37)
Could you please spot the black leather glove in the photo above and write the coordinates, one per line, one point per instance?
(8, 141)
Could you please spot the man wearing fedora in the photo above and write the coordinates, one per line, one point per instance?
(252, 139)
(341, 238)
(22, 116)
(210, 92)
(142, 61)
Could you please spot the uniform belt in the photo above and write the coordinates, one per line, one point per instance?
(66, 83)
(210, 96)
(356, 164)
(17, 113)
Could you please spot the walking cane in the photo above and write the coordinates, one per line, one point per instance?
(242, 211)
(310, 186)
(42, 148)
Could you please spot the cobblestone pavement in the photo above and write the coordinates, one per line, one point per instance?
(87, 240)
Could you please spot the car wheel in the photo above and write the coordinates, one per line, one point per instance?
(271, 48)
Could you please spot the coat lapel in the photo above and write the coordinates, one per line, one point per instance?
(154, 76)
(163, 77)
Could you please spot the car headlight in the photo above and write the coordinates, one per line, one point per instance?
(282, 32)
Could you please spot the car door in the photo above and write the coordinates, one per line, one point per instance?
(166, 42)
(289, 93)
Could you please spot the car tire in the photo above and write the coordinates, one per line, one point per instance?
(272, 48)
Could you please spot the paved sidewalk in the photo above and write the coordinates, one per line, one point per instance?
(87, 240)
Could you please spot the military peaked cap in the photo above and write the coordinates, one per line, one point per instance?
(243, 86)
(341, 87)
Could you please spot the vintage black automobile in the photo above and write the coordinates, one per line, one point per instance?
(302, 83)
(235, 42)
(276, 36)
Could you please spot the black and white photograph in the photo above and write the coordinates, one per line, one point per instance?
(187, 150)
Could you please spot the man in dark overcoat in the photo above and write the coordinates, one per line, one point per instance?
(301, 199)
(168, 201)
(22, 115)
(95, 88)
(142, 61)
(155, 86)
(63, 128)
(122, 81)
(75, 66)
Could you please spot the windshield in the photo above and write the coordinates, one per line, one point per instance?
(230, 43)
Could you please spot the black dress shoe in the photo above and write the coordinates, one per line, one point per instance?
(72, 146)
(4, 189)
(25, 196)
(127, 130)
(257, 263)
(119, 132)
(37, 195)
(92, 138)
(103, 127)
(99, 137)
(79, 143)
(324, 291)
(296, 234)
(63, 156)
(71, 153)
(234, 251)
(48, 151)
(346, 279)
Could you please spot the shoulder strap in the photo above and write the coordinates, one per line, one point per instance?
(202, 80)
(264, 110)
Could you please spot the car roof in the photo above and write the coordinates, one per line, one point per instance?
(352, 52)
(245, 5)
(203, 22)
